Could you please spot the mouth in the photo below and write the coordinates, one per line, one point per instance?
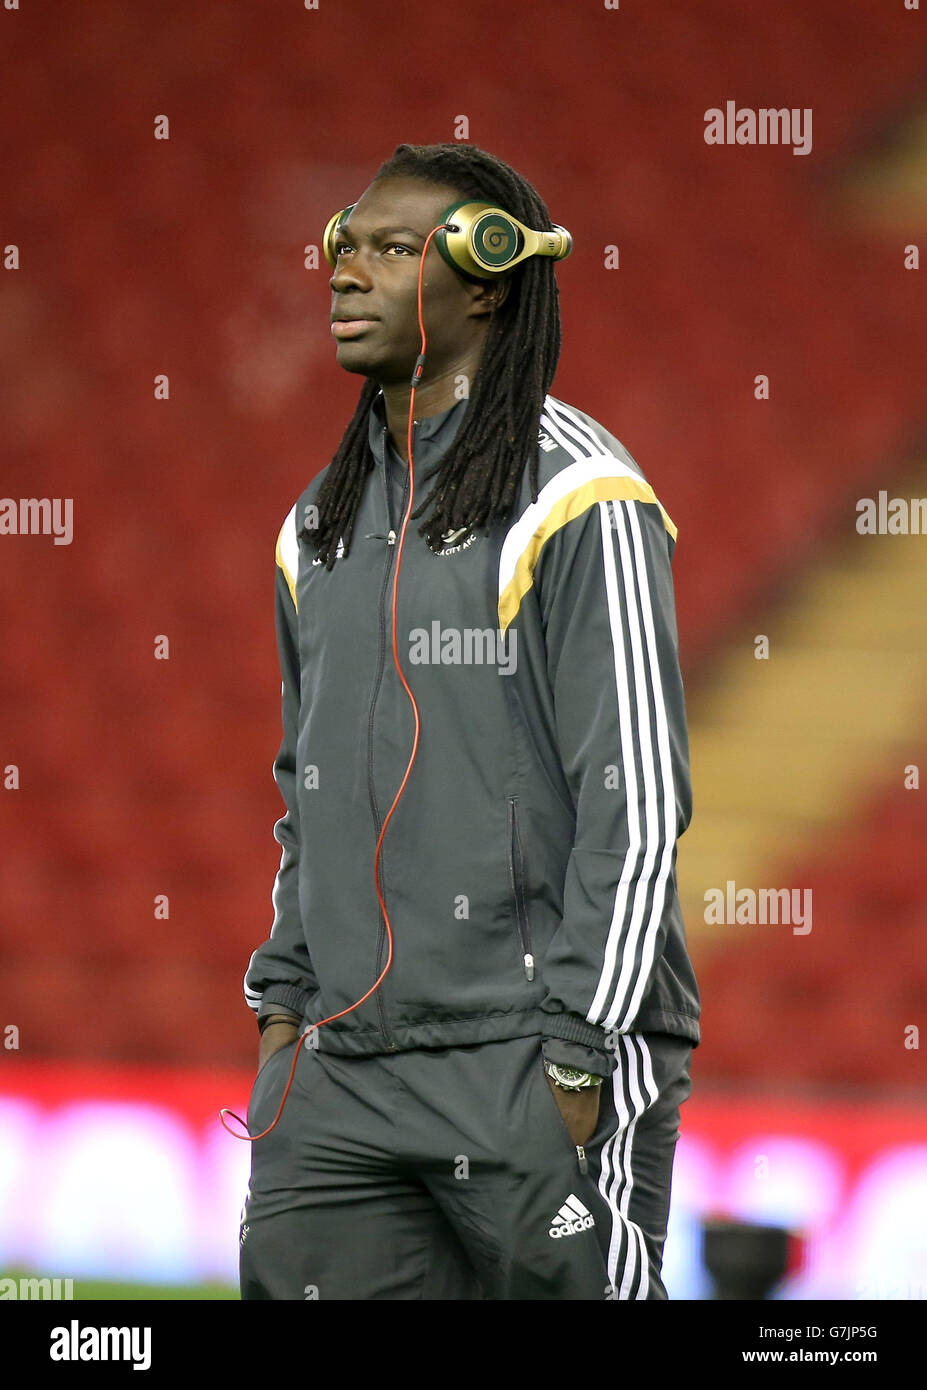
(350, 328)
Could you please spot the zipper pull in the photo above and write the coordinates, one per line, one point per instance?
(529, 967)
(581, 1155)
(374, 536)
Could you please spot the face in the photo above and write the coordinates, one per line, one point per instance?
(376, 281)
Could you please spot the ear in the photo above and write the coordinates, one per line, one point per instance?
(487, 296)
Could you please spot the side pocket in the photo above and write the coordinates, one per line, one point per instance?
(262, 1075)
(264, 1065)
(517, 883)
(577, 1153)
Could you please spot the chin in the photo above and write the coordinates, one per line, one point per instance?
(354, 361)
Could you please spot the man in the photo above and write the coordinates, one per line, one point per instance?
(498, 1117)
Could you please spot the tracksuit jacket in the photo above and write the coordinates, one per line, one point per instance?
(529, 870)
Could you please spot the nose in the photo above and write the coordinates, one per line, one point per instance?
(350, 272)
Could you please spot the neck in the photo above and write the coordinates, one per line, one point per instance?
(434, 394)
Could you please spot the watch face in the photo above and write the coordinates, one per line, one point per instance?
(566, 1077)
(571, 1078)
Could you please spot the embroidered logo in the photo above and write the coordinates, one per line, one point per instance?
(453, 542)
(571, 1218)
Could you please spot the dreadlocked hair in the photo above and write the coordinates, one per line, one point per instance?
(477, 480)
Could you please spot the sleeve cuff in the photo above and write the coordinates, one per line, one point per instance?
(571, 1041)
(281, 999)
(567, 1054)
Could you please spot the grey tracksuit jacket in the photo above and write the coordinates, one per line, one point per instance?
(529, 868)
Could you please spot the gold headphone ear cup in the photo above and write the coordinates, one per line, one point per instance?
(490, 241)
(328, 237)
(487, 239)
(496, 239)
(452, 246)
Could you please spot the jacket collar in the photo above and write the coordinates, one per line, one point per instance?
(431, 436)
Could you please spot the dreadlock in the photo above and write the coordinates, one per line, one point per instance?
(478, 478)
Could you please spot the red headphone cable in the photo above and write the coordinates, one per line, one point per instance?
(416, 377)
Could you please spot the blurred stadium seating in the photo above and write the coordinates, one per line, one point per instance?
(140, 257)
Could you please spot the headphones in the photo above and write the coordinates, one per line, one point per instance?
(487, 241)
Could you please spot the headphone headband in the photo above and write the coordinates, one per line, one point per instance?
(487, 241)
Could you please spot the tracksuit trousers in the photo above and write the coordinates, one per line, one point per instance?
(449, 1173)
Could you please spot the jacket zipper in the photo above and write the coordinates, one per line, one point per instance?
(517, 879)
(390, 538)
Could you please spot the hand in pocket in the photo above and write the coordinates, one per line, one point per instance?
(580, 1110)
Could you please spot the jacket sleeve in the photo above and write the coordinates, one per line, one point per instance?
(280, 972)
(605, 588)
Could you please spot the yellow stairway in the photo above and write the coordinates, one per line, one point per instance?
(783, 749)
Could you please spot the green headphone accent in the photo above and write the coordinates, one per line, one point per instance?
(488, 241)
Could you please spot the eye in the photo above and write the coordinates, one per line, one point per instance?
(398, 245)
(341, 247)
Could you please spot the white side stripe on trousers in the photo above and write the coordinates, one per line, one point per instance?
(616, 1179)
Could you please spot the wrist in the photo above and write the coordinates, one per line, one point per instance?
(573, 1054)
(571, 1078)
(272, 1020)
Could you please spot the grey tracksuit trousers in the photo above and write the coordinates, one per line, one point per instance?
(448, 1173)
